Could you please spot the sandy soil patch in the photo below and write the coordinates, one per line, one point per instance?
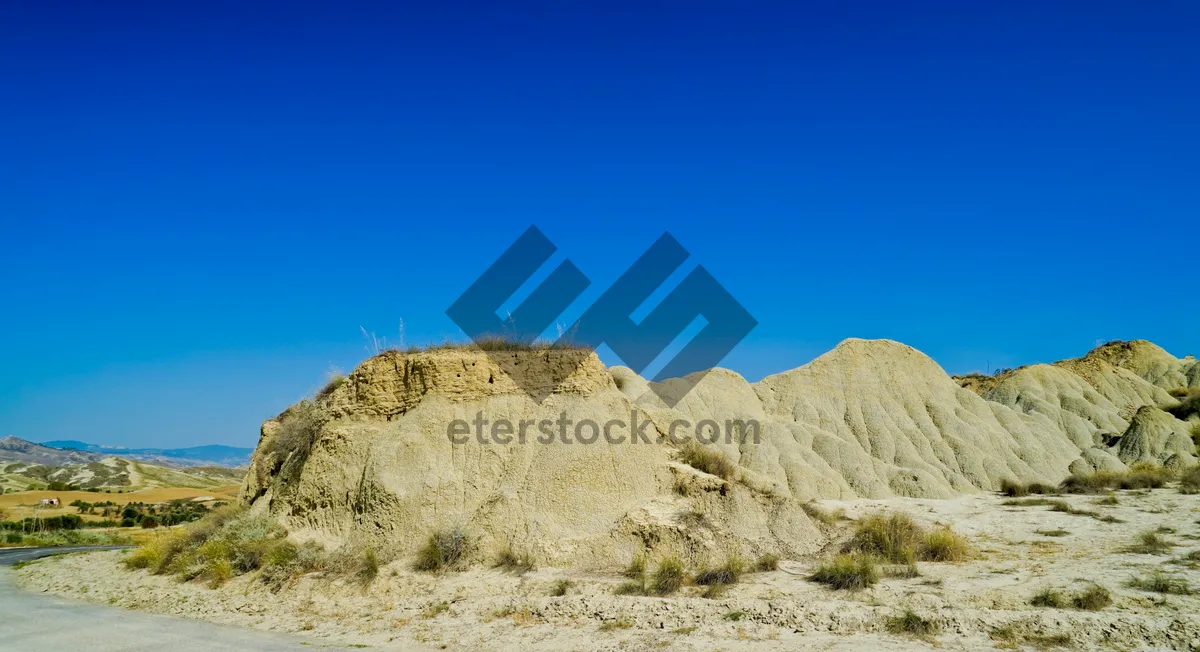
(980, 604)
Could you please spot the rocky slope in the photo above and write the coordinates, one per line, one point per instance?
(370, 462)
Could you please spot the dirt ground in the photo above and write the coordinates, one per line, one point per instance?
(976, 605)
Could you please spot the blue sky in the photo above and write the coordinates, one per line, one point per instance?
(202, 206)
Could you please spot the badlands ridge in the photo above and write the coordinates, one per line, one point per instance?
(369, 462)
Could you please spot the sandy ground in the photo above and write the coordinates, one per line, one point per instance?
(779, 610)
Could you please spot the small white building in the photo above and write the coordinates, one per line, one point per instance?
(49, 502)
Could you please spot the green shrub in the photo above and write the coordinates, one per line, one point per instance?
(669, 577)
(912, 624)
(709, 460)
(851, 572)
(444, 550)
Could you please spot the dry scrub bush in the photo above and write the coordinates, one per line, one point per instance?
(851, 572)
(708, 460)
(1189, 481)
(1014, 489)
(445, 550)
(512, 561)
(298, 429)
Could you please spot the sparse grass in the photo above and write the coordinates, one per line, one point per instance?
(612, 625)
(444, 550)
(734, 616)
(1158, 581)
(1150, 543)
(436, 609)
(825, 516)
(512, 561)
(1139, 476)
(767, 562)
(1109, 500)
(1093, 599)
(1061, 506)
(631, 588)
(335, 382)
(1049, 641)
(368, 570)
(637, 568)
(669, 577)
(851, 572)
(708, 460)
(560, 588)
(1053, 533)
(683, 631)
(912, 624)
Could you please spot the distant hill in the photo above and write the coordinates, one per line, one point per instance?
(25, 465)
(193, 456)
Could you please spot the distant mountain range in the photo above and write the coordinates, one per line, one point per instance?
(192, 456)
(25, 466)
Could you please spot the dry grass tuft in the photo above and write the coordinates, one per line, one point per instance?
(898, 539)
(1189, 481)
(1140, 476)
(851, 572)
(669, 577)
(912, 624)
(767, 562)
(1159, 581)
(709, 460)
(816, 513)
(1093, 599)
(1150, 543)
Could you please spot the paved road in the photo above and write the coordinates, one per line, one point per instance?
(10, 556)
(33, 622)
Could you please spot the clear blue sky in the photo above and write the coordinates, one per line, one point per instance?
(201, 206)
